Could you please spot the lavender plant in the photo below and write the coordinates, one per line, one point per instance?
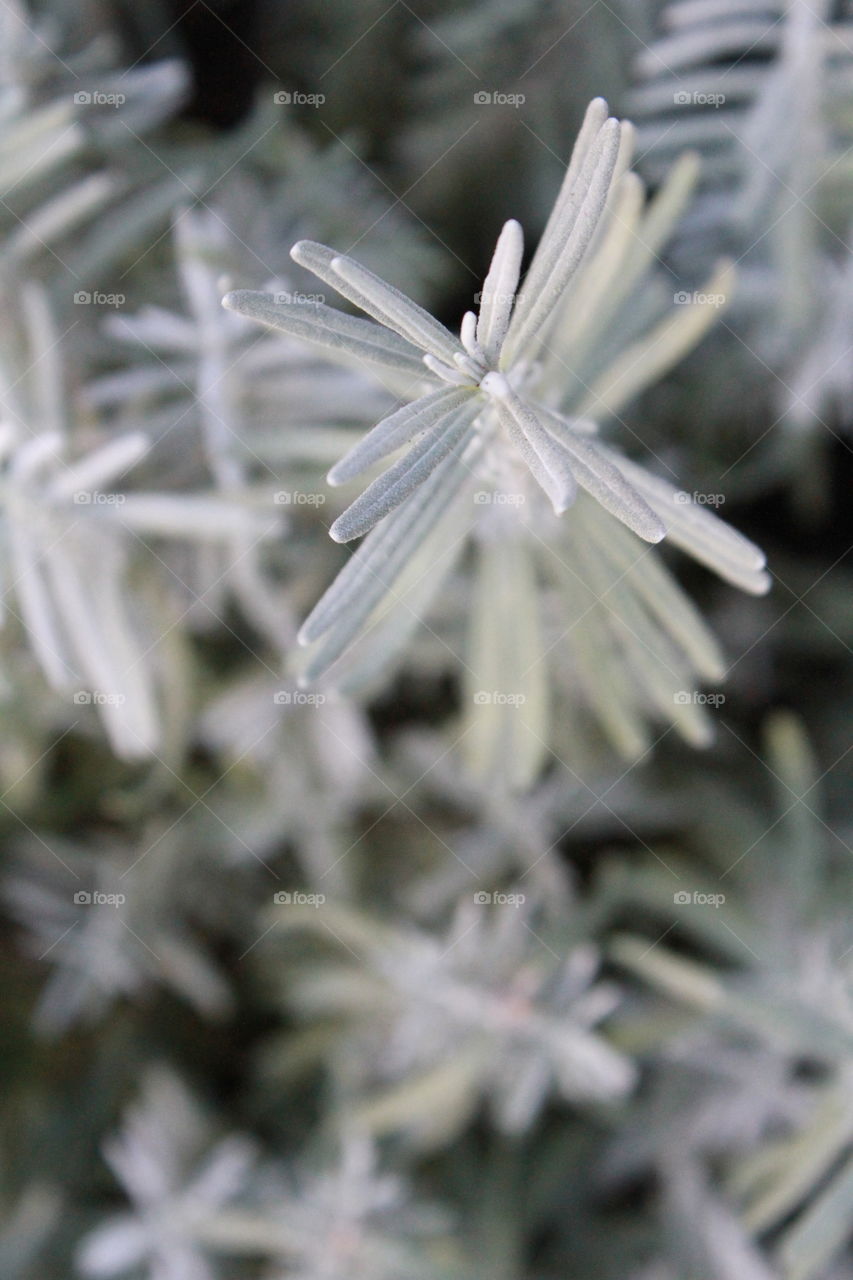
(520, 394)
(428, 951)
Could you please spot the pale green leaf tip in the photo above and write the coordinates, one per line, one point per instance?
(240, 300)
(338, 532)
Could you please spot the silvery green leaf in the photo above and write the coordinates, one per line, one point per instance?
(587, 1067)
(507, 730)
(649, 654)
(403, 478)
(548, 250)
(499, 289)
(563, 246)
(38, 616)
(58, 217)
(373, 569)
(661, 595)
(329, 328)
(630, 246)
(659, 349)
(560, 491)
(94, 616)
(43, 377)
(700, 533)
(606, 481)
(157, 328)
(46, 140)
(401, 613)
(437, 1102)
(119, 1243)
(547, 463)
(379, 299)
(104, 466)
(152, 91)
(607, 684)
(396, 430)
(685, 980)
(597, 290)
(397, 311)
(199, 516)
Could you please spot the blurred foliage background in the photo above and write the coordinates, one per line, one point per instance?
(288, 991)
